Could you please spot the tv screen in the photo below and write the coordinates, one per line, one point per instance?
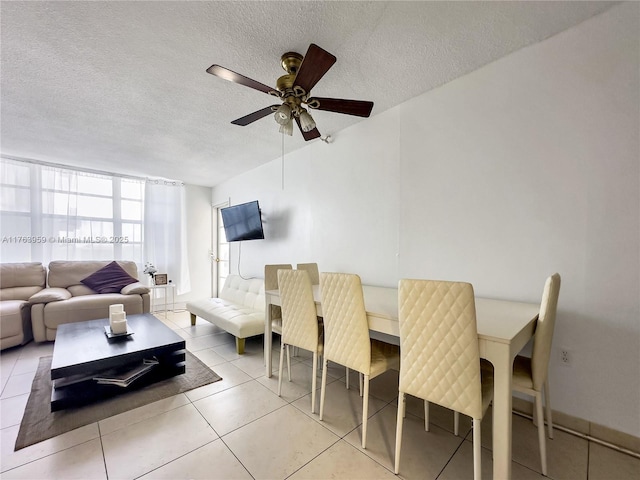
(242, 222)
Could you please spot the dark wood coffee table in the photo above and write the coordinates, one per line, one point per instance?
(82, 351)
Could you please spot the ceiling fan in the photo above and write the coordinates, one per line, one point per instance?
(294, 90)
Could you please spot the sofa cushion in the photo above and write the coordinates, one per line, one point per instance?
(18, 281)
(236, 319)
(11, 317)
(109, 279)
(64, 273)
(247, 293)
(50, 295)
(79, 290)
(135, 289)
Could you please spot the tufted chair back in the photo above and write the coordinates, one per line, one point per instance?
(439, 356)
(299, 321)
(346, 328)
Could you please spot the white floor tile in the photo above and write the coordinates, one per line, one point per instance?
(567, 455)
(342, 461)
(278, 444)
(252, 364)
(140, 414)
(12, 409)
(207, 341)
(26, 365)
(461, 466)
(231, 376)
(213, 460)
(84, 462)
(342, 408)
(238, 406)
(606, 463)
(209, 357)
(298, 387)
(144, 446)
(10, 459)
(36, 350)
(18, 385)
(423, 454)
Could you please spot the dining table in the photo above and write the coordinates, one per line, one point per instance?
(504, 328)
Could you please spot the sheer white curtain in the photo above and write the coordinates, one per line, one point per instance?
(165, 233)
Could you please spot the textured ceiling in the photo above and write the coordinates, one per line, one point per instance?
(122, 87)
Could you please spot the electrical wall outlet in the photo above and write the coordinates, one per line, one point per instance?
(565, 356)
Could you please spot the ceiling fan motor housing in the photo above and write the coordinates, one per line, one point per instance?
(291, 62)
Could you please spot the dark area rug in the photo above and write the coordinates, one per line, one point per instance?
(39, 423)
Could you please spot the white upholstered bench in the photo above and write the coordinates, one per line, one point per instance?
(239, 309)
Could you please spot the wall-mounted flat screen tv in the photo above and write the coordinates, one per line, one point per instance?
(242, 222)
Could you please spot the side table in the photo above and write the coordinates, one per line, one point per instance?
(170, 287)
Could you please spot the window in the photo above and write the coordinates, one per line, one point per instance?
(49, 213)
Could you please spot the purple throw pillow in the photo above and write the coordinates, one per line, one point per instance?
(109, 279)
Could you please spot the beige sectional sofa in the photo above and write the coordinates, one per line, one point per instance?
(18, 282)
(67, 299)
(239, 309)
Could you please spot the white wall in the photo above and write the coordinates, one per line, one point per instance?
(525, 167)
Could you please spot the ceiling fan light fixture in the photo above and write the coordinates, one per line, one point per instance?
(283, 114)
(306, 122)
(287, 128)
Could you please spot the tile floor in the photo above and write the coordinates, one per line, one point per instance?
(238, 428)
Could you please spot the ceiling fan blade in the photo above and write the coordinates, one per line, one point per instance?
(227, 74)
(315, 64)
(252, 117)
(308, 135)
(359, 108)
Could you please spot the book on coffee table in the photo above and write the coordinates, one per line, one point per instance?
(125, 377)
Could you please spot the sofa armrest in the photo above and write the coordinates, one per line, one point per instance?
(51, 294)
(134, 289)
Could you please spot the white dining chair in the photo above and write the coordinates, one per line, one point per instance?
(346, 337)
(312, 269)
(271, 283)
(531, 375)
(439, 354)
(299, 322)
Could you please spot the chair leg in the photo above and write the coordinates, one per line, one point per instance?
(426, 416)
(288, 364)
(477, 449)
(313, 382)
(323, 386)
(347, 380)
(280, 369)
(456, 423)
(541, 437)
(547, 406)
(401, 412)
(365, 411)
(360, 382)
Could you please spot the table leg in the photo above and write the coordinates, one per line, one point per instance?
(267, 338)
(502, 398)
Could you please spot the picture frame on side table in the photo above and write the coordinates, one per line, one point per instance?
(160, 279)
